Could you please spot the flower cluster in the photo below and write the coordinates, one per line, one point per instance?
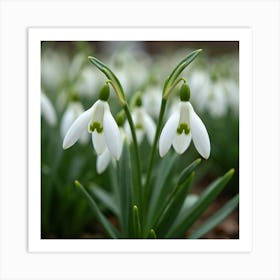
(150, 112)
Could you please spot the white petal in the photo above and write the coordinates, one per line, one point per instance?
(168, 133)
(76, 129)
(97, 113)
(112, 133)
(73, 111)
(84, 138)
(139, 135)
(149, 127)
(199, 134)
(103, 161)
(47, 110)
(66, 121)
(181, 142)
(98, 141)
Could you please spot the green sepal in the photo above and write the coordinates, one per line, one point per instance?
(171, 81)
(216, 219)
(113, 80)
(201, 205)
(111, 231)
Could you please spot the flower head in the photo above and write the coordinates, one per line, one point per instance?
(99, 121)
(183, 126)
(144, 124)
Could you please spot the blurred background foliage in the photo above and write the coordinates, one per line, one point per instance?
(68, 79)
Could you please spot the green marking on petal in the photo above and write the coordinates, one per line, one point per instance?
(97, 126)
(183, 128)
(139, 126)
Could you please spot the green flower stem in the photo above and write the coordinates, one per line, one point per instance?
(151, 162)
(137, 154)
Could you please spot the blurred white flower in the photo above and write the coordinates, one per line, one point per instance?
(200, 84)
(152, 100)
(144, 124)
(72, 112)
(88, 82)
(99, 121)
(216, 101)
(53, 71)
(47, 110)
(130, 65)
(181, 127)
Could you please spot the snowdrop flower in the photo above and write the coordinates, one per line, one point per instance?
(47, 110)
(152, 100)
(144, 124)
(99, 121)
(183, 126)
(72, 112)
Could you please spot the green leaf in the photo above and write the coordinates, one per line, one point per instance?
(201, 205)
(112, 232)
(106, 199)
(152, 234)
(136, 222)
(174, 206)
(160, 189)
(188, 170)
(188, 203)
(172, 79)
(125, 187)
(216, 219)
(111, 76)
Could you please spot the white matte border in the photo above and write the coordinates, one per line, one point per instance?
(243, 35)
(262, 16)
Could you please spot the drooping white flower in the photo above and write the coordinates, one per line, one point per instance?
(73, 111)
(47, 110)
(144, 124)
(99, 121)
(183, 126)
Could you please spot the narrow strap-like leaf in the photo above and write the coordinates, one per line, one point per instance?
(201, 205)
(188, 170)
(125, 183)
(136, 222)
(160, 189)
(106, 198)
(216, 219)
(173, 208)
(152, 234)
(112, 232)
